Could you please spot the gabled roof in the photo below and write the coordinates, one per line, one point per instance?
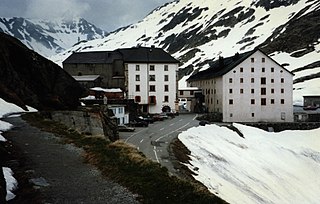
(224, 65)
(96, 57)
(146, 54)
(135, 54)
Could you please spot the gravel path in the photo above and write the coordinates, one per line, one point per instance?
(59, 171)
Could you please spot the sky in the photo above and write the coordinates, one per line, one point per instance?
(106, 14)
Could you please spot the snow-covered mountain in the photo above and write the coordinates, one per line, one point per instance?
(197, 32)
(50, 37)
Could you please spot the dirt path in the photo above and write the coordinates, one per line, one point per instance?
(58, 170)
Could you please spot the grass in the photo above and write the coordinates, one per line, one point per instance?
(127, 166)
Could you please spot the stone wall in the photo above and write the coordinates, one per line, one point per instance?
(277, 127)
(96, 123)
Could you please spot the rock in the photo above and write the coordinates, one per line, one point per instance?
(27, 78)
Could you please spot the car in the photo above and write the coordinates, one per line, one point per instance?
(203, 122)
(139, 123)
(124, 128)
(148, 119)
(157, 117)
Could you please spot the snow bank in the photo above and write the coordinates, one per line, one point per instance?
(11, 182)
(262, 167)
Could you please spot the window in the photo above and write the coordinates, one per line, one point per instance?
(191, 93)
(263, 59)
(120, 110)
(217, 101)
(231, 115)
(263, 80)
(166, 98)
(252, 59)
(252, 80)
(263, 101)
(152, 99)
(137, 88)
(166, 77)
(230, 91)
(181, 93)
(214, 91)
(152, 77)
(282, 101)
(272, 91)
(166, 88)
(166, 67)
(241, 80)
(152, 88)
(230, 80)
(272, 81)
(241, 69)
(230, 101)
(137, 67)
(282, 90)
(241, 91)
(272, 101)
(252, 69)
(272, 69)
(252, 91)
(263, 91)
(137, 77)
(252, 115)
(282, 80)
(137, 99)
(263, 69)
(252, 101)
(151, 67)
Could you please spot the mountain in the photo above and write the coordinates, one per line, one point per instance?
(50, 37)
(197, 32)
(27, 78)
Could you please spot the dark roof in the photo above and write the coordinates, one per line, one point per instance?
(147, 54)
(135, 54)
(224, 65)
(97, 57)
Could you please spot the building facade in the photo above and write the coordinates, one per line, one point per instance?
(145, 74)
(250, 87)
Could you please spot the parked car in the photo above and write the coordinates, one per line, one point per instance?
(124, 128)
(148, 119)
(157, 117)
(139, 123)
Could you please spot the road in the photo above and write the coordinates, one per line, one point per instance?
(154, 140)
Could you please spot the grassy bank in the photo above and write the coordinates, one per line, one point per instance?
(127, 166)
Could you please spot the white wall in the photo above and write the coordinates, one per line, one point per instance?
(119, 113)
(159, 83)
(242, 109)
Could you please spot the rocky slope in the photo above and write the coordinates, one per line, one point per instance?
(50, 37)
(27, 78)
(197, 32)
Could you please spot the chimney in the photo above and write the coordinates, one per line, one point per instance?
(221, 61)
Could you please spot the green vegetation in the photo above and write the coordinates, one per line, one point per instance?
(124, 164)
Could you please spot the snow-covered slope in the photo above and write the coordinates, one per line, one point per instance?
(50, 37)
(260, 168)
(197, 32)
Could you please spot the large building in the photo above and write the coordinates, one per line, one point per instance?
(145, 74)
(248, 87)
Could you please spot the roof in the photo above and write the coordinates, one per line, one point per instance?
(224, 65)
(115, 90)
(135, 54)
(86, 77)
(96, 57)
(147, 54)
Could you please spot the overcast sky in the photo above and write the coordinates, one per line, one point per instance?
(106, 14)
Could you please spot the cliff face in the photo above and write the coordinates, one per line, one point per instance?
(27, 78)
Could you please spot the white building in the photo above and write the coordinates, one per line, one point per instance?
(187, 98)
(151, 78)
(120, 114)
(250, 87)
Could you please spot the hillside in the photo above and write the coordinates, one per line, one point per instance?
(197, 32)
(27, 78)
(50, 37)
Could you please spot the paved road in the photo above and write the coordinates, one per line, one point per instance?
(59, 171)
(154, 140)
